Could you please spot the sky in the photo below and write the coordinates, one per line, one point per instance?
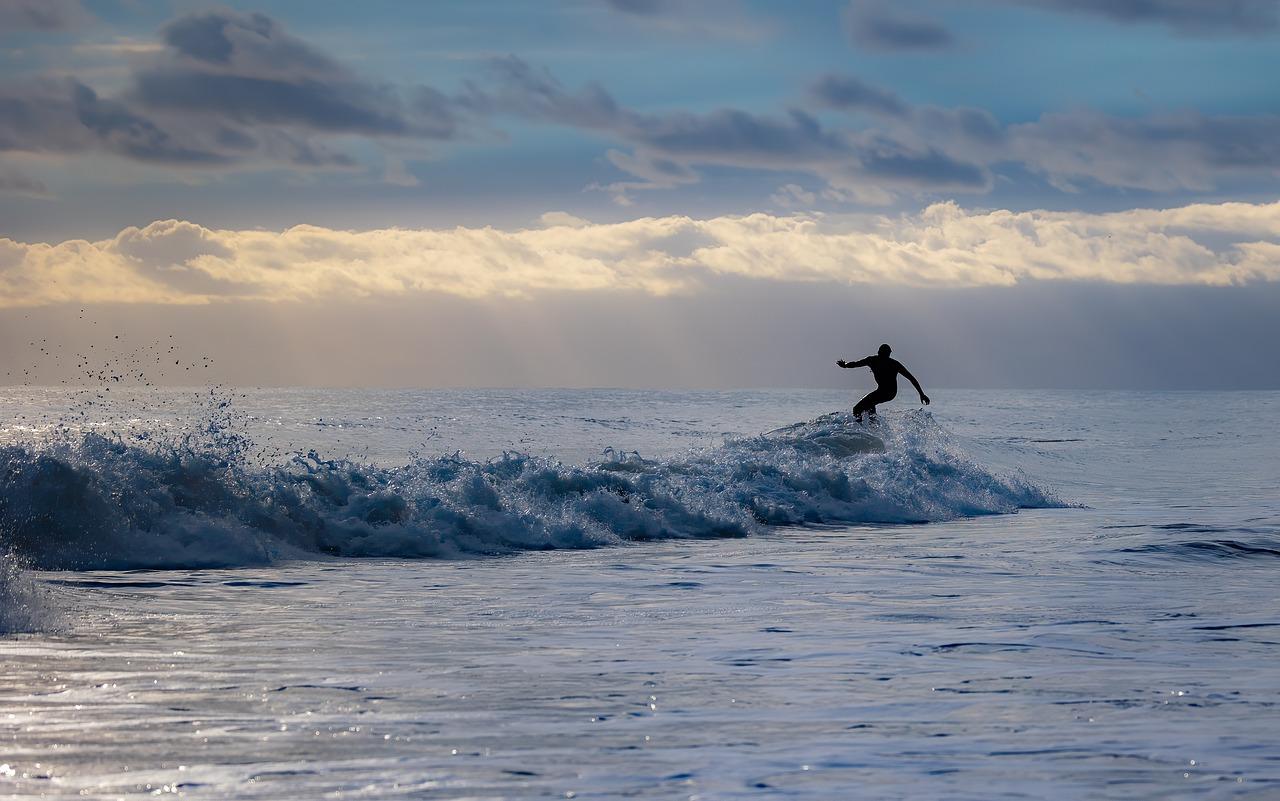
(644, 193)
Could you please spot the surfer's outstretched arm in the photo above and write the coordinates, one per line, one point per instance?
(858, 363)
(907, 374)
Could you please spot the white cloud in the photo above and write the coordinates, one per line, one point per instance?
(554, 218)
(790, 196)
(943, 245)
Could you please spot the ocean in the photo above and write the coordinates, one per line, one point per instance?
(601, 594)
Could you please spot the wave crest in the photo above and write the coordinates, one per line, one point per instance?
(101, 502)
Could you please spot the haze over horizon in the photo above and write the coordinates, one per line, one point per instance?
(645, 193)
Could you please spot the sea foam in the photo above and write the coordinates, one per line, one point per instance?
(92, 501)
(24, 605)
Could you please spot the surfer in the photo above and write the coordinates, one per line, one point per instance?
(886, 372)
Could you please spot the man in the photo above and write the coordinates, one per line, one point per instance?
(886, 372)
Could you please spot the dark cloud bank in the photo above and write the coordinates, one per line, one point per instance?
(1188, 17)
(882, 27)
(235, 91)
(44, 15)
(907, 148)
(879, 27)
(228, 89)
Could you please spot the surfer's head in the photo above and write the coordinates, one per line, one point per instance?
(885, 350)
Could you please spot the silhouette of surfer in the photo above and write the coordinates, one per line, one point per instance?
(886, 372)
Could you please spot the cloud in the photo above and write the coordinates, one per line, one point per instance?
(906, 149)
(847, 93)
(720, 19)
(226, 90)
(16, 182)
(247, 70)
(251, 42)
(643, 8)
(553, 219)
(942, 246)
(62, 115)
(119, 46)
(46, 15)
(1159, 152)
(793, 196)
(233, 91)
(875, 27)
(669, 145)
(1186, 17)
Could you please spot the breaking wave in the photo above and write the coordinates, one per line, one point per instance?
(91, 501)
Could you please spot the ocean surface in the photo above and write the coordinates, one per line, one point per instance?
(604, 594)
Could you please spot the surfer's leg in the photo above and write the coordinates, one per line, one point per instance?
(867, 404)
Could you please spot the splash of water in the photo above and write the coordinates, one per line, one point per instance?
(24, 605)
(196, 500)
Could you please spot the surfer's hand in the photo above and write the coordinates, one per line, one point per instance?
(924, 399)
(841, 363)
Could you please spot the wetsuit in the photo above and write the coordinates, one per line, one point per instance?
(885, 369)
